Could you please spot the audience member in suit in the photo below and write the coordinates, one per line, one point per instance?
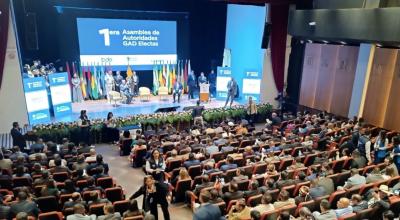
(205, 182)
(326, 182)
(38, 146)
(59, 167)
(99, 162)
(91, 186)
(354, 180)
(375, 176)
(239, 211)
(358, 203)
(207, 211)
(109, 213)
(283, 200)
(326, 212)
(18, 138)
(240, 175)
(80, 163)
(284, 180)
(390, 163)
(17, 153)
(229, 164)
(266, 204)
(358, 160)
(192, 161)
(24, 205)
(304, 195)
(79, 214)
(253, 190)
(95, 199)
(5, 210)
(84, 148)
(75, 199)
(233, 193)
(316, 190)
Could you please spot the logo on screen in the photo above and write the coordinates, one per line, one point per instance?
(39, 116)
(60, 79)
(106, 33)
(36, 84)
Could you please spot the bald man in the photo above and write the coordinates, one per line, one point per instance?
(344, 207)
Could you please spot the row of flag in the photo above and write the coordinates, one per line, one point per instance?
(92, 79)
(165, 74)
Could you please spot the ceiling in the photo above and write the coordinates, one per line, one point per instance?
(259, 1)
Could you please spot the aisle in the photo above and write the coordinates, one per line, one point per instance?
(131, 179)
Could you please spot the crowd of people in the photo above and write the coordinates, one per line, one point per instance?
(300, 166)
(232, 170)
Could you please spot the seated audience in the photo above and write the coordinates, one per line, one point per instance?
(316, 190)
(79, 214)
(192, 161)
(229, 164)
(239, 211)
(326, 212)
(109, 213)
(283, 200)
(358, 203)
(133, 209)
(343, 207)
(266, 204)
(23, 204)
(233, 193)
(355, 180)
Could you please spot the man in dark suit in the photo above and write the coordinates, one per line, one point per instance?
(191, 82)
(23, 205)
(18, 138)
(205, 182)
(233, 193)
(284, 181)
(177, 91)
(207, 211)
(232, 91)
(191, 161)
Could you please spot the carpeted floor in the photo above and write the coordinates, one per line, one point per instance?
(132, 178)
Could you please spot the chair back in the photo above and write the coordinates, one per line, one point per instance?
(21, 181)
(121, 206)
(270, 215)
(254, 200)
(125, 147)
(97, 209)
(47, 203)
(51, 216)
(61, 176)
(180, 190)
(194, 171)
(114, 194)
(105, 182)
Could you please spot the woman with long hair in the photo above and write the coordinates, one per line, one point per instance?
(380, 147)
(111, 133)
(84, 125)
(183, 175)
(154, 193)
(155, 165)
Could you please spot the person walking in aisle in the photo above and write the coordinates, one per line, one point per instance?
(232, 91)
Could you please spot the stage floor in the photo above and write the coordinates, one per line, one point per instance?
(99, 108)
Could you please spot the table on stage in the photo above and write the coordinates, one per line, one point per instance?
(204, 92)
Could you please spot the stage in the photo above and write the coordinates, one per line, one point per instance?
(99, 108)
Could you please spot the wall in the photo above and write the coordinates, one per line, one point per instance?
(328, 76)
(12, 99)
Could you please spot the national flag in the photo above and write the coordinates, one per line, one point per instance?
(164, 73)
(155, 78)
(69, 74)
(160, 76)
(185, 76)
(129, 71)
(102, 79)
(88, 82)
(98, 78)
(94, 84)
(83, 81)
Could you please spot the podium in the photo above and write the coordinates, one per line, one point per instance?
(204, 92)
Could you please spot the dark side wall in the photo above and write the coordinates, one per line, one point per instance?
(201, 25)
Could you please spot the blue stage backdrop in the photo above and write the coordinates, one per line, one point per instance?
(113, 41)
(244, 31)
(60, 90)
(37, 101)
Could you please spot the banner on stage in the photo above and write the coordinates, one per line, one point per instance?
(224, 74)
(37, 101)
(252, 85)
(60, 94)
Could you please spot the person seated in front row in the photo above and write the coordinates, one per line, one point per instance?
(229, 164)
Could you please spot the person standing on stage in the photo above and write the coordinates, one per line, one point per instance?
(251, 111)
(84, 125)
(212, 79)
(109, 79)
(154, 193)
(118, 80)
(232, 91)
(125, 90)
(202, 79)
(191, 82)
(76, 89)
(18, 138)
(177, 90)
(135, 84)
(111, 133)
